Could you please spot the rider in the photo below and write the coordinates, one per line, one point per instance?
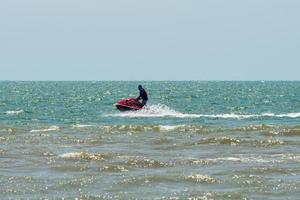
(143, 95)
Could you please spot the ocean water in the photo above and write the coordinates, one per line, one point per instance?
(194, 140)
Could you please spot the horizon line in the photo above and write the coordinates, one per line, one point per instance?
(149, 80)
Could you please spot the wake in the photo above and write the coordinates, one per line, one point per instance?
(164, 111)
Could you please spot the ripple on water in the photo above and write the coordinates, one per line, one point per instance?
(114, 168)
(69, 168)
(162, 141)
(148, 179)
(75, 182)
(2, 152)
(194, 195)
(271, 170)
(268, 143)
(143, 162)
(219, 140)
(194, 161)
(200, 178)
(236, 141)
(169, 178)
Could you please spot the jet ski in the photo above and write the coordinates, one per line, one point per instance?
(129, 104)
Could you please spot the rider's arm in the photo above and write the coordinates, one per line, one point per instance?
(139, 97)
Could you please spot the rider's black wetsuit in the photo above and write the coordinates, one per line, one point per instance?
(143, 96)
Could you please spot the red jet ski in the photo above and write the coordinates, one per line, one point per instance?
(129, 104)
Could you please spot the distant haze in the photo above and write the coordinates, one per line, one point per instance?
(150, 40)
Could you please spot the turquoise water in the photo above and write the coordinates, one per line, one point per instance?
(194, 140)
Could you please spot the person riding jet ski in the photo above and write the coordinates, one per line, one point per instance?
(133, 103)
(143, 95)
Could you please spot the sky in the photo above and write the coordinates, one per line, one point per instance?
(150, 40)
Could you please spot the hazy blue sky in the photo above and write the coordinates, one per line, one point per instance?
(150, 40)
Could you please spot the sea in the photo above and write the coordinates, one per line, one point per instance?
(197, 140)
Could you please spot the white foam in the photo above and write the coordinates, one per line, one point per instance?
(290, 115)
(81, 125)
(84, 156)
(14, 112)
(165, 111)
(51, 128)
(168, 127)
(151, 111)
(71, 155)
(276, 158)
(229, 116)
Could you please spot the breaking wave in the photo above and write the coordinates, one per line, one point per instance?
(165, 111)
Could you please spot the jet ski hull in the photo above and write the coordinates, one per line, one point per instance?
(129, 104)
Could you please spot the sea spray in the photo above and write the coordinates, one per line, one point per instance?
(161, 110)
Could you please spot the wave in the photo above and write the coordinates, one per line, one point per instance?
(144, 162)
(264, 129)
(114, 168)
(14, 112)
(238, 141)
(51, 128)
(81, 125)
(276, 158)
(150, 128)
(86, 156)
(286, 115)
(152, 179)
(164, 111)
(200, 178)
